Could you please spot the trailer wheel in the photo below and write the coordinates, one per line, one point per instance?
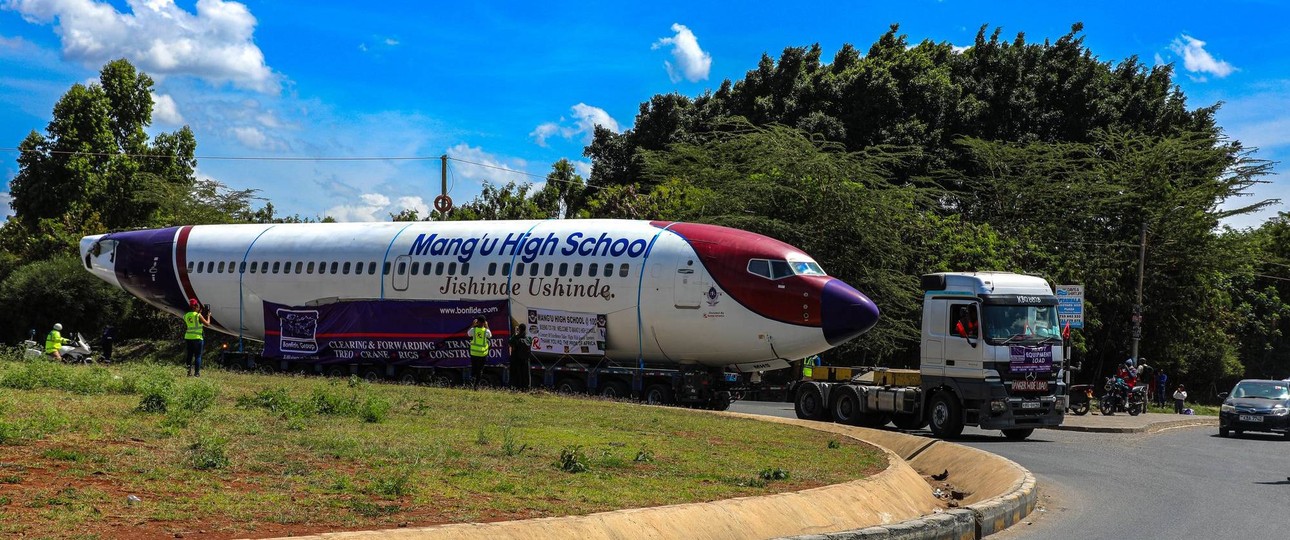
(946, 415)
(1018, 434)
(658, 394)
(721, 401)
(372, 375)
(615, 390)
(337, 372)
(409, 376)
(846, 406)
(569, 385)
(809, 404)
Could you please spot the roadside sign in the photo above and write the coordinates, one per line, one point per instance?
(1070, 305)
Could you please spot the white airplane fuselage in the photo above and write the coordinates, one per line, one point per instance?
(672, 292)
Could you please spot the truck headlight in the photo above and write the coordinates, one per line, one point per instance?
(998, 405)
(1227, 408)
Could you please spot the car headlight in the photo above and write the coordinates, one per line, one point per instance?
(1227, 408)
(1280, 410)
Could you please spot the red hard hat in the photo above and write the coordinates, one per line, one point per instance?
(192, 301)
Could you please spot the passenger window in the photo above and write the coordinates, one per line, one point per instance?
(221, 267)
(191, 266)
(533, 269)
(591, 270)
(506, 269)
(403, 268)
(564, 269)
(200, 265)
(241, 268)
(333, 266)
(253, 265)
(577, 269)
(232, 267)
(760, 267)
(386, 269)
(299, 266)
(309, 269)
(286, 267)
(371, 268)
(452, 268)
(492, 269)
(344, 269)
(549, 268)
(438, 269)
(277, 265)
(622, 270)
(609, 269)
(519, 269)
(465, 268)
(416, 267)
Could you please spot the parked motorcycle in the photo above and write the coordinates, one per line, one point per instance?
(1119, 397)
(1080, 399)
(78, 352)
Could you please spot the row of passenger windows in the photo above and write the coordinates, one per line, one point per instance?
(415, 268)
(549, 269)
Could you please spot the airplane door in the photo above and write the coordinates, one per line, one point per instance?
(399, 274)
(688, 288)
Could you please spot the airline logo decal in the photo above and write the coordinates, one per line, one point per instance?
(527, 246)
(299, 331)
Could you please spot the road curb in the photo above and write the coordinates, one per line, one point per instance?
(1149, 428)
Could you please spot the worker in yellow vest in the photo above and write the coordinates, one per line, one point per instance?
(808, 365)
(54, 342)
(194, 323)
(479, 335)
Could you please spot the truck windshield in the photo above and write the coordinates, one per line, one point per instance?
(1019, 324)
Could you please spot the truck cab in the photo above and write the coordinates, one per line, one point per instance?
(992, 353)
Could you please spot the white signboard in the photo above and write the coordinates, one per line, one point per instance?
(1070, 305)
(567, 332)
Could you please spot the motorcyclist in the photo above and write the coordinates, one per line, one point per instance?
(54, 342)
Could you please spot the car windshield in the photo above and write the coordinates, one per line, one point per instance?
(1268, 390)
(1019, 324)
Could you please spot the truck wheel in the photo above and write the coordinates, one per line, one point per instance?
(846, 406)
(337, 372)
(658, 394)
(946, 415)
(409, 376)
(809, 404)
(1019, 434)
(615, 390)
(908, 421)
(570, 386)
(721, 401)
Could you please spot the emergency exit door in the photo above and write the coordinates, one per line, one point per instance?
(689, 287)
(399, 273)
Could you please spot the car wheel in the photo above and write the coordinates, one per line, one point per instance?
(1223, 432)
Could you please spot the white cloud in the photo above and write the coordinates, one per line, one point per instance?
(1197, 60)
(959, 49)
(253, 137)
(583, 168)
(165, 111)
(584, 122)
(475, 165)
(158, 37)
(5, 210)
(367, 209)
(692, 63)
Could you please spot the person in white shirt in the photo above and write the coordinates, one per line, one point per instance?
(1180, 396)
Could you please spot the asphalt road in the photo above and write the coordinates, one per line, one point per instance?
(1179, 483)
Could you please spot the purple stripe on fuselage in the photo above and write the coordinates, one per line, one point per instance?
(145, 268)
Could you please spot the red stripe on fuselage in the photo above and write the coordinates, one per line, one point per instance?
(181, 263)
(390, 335)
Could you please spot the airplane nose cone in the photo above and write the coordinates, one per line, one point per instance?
(845, 312)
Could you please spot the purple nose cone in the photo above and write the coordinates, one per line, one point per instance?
(845, 312)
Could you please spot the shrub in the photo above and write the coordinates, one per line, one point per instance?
(9, 433)
(197, 396)
(644, 455)
(208, 452)
(572, 460)
(274, 399)
(329, 401)
(374, 409)
(508, 444)
(393, 486)
(773, 474)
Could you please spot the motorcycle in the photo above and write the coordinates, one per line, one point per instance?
(1081, 399)
(1119, 397)
(78, 352)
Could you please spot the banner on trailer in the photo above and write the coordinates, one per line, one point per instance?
(567, 332)
(1031, 359)
(414, 333)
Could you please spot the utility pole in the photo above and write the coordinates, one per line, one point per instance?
(1137, 306)
(443, 203)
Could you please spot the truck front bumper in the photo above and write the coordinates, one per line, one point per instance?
(1016, 412)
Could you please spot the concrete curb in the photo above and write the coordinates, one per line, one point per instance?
(1149, 428)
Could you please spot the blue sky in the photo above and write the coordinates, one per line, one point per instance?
(519, 84)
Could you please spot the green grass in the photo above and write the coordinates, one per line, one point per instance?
(1200, 410)
(230, 450)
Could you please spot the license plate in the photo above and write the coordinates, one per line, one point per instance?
(1030, 404)
(1250, 418)
(1030, 386)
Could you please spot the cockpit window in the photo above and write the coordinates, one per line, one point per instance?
(770, 269)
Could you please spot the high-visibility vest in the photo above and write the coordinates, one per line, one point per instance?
(53, 341)
(479, 341)
(192, 325)
(807, 364)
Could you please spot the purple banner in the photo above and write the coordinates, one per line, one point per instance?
(1031, 359)
(396, 332)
